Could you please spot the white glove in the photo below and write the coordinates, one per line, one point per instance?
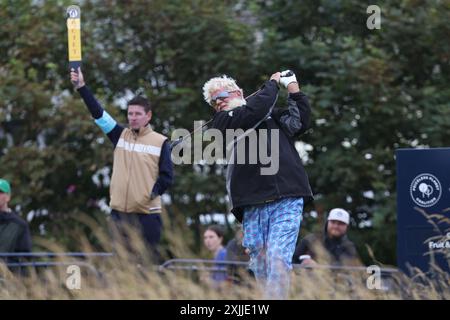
(287, 77)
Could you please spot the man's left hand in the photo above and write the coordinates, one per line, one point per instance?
(276, 76)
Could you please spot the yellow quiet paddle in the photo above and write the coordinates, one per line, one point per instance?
(74, 36)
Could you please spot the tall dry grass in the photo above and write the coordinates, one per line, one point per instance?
(130, 274)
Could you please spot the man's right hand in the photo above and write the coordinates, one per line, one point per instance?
(287, 77)
(77, 78)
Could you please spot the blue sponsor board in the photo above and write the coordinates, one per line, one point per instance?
(423, 208)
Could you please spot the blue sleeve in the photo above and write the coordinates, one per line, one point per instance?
(165, 177)
(222, 255)
(102, 118)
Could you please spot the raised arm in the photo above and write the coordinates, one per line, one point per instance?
(102, 118)
(296, 119)
(257, 107)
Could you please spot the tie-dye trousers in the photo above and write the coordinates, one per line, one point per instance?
(270, 234)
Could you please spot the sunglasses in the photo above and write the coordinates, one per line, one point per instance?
(221, 96)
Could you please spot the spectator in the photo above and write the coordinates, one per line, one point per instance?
(235, 250)
(238, 253)
(213, 239)
(332, 247)
(14, 231)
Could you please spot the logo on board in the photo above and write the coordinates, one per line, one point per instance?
(425, 190)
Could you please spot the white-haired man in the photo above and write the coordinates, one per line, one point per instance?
(271, 205)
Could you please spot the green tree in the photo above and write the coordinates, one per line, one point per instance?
(52, 152)
(372, 92)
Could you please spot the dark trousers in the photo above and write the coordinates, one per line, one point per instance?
(149, 226)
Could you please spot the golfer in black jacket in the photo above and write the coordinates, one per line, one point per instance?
(269, 201)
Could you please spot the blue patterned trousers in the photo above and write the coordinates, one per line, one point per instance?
(270, 234)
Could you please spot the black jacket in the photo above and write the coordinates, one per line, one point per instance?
(339, 251)
(245, 183)
(14, 233)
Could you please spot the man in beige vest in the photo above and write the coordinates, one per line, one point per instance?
(142, 168)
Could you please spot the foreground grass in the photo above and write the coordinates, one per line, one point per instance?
(130, 274)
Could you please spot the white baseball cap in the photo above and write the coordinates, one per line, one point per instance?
(339, 215)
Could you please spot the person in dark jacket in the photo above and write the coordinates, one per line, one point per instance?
(238, 253)
(235, 250)
(14, 231)
(267, 199)
(332, 247)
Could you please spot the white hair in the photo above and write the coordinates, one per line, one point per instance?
(213, 84)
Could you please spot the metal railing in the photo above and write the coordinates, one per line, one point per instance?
(342, 273)
(172, 264)
(54, 255)
(199, 264)
(93, 264)
(192, 266)
(20, 262)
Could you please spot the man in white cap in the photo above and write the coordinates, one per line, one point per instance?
(332, 247)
